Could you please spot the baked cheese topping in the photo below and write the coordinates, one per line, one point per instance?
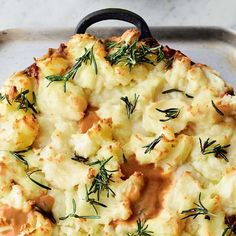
(117, 137)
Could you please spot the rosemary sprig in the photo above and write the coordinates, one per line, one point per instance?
(196, 211)
(88, 56)
(152, 145)
(29, 173)
(47, 214)
(170, 113)
(19, 155)
(141, 229)
(24, 103)
(230, 222)
(130, 107)
(217, 109)
(93, 61)
(134, 54)
(178, 91)
(102, 180)
(79, 158)
(111, 44)
(92, 201)
(74, 215)
(2, 97)
(56, 78)
(218, 150)
(130, 55)
(7, 99)
(161, 57)
(205, 145)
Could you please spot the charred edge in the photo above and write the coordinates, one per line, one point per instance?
(59, 52)
(150, 42)
(32, 71)
(172, 53)
(230, 92)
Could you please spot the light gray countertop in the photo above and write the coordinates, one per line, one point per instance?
(66, 13)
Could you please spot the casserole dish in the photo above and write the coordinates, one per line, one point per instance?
(118, 136)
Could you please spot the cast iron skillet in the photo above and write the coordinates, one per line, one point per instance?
(114, 14)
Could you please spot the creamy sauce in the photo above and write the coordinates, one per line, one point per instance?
(89, 119)
(190, 129)
(14, 218)
(45, 202)
(152, 194)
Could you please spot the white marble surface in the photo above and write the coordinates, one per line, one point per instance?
(66, 13)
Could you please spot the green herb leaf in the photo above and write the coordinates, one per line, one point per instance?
(218, 150)
(79, 158)
(188, 96)
(29, 173)
(141, 229)
(93, 61)
(92, 201)
(217, 109)
(111, 44)
(88, 56)
(196, 211)
(178, 91)
(102, 180)
(74, 215)
(54, 78)
(130, 107)
(152, 145)
(230, 221)
(134, 54)
(172, 91)
(170, 113)
(24, 103)
(19, 155)
(2, 97)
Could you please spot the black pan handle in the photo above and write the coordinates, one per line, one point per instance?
(114, 14)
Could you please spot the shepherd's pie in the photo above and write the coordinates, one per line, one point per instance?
(117, 137)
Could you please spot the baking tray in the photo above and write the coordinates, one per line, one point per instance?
(213, 46)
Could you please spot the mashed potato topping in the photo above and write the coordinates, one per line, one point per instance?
(117, 137)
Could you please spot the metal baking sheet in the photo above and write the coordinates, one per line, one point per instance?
(213, 46)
